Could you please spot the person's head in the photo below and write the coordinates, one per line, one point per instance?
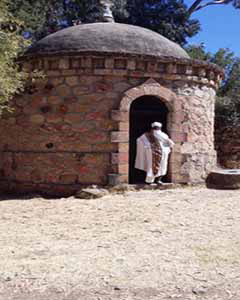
(156, 126)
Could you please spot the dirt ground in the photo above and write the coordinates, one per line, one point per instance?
(175, 244)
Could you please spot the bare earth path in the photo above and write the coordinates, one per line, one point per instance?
(174, 244)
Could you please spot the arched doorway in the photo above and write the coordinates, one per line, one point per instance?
(143, 111)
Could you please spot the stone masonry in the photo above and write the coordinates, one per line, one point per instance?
(72, 127)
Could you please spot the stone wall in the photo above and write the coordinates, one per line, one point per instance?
(190, 125)
(227, 143)
(198, 154)
(72, 128)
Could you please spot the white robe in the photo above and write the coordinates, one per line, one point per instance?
(144, 155)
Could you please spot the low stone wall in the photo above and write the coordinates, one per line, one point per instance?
(227, 144)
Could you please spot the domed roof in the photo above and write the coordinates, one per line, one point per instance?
(108, 37)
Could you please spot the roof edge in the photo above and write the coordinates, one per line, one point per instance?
(164, 59)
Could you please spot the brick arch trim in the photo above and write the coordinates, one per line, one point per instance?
(120, 159)
(149, 88)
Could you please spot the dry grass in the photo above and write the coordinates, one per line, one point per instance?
(173, 244)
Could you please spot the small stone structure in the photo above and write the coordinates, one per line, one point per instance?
(73, 127)
(227, 144)
(224, 179)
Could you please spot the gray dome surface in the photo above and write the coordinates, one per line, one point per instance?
(108, 37)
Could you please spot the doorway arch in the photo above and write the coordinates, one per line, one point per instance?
(143, 111)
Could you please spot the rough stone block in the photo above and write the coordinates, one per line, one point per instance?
(62, 109)
(122, 168)
(73, 118)
(120, 64)
(123, 126)
(63, 90)
(75, 62)
(78, 107)
(103, 87)
(103, 71)
(151, 67)
(51, 64)
(178, 178)
(134, 93)
(55, 73)
(90, 99)
(119, 72)
(116, 179)
(54, 99)
(97, 115)
(189, 70)
(121, 87)
(109, 63)
(131, 64)
(178, 105)
(171, 69)
(106, 147)
(37, 119)
(87, 62)
(56, 81)
(64, 63)
(123, 147)
(91, 193)
(72, 80)
(72, 72)
(120, 158)
(119, 115)
(141, 66)
(68, 178)
(178, 137)
(178, 117)
(136, 73)
(81, 90)
(98, 63)
(54, 118)
(119, 137)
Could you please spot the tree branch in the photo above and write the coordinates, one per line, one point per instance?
(196, 5)
(210, 3)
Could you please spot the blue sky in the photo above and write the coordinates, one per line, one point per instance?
(220, 28)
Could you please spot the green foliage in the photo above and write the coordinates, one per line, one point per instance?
(12, 45)
(40, 17)
(169, 18)
(228, 95)
(228, 101)
(198, 52)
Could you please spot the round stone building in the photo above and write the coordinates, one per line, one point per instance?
(104, 84)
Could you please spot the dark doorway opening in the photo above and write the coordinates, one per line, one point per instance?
(143, 112)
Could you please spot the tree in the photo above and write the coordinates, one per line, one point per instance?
(169, 18)
(198, 52)
(43, 17)
(12, 44)
(40, 17)
(228, 95)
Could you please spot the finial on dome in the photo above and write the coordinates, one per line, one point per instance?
(107, 10)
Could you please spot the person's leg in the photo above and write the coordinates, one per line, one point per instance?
(149, 179)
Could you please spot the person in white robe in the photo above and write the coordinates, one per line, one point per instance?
(153, 149)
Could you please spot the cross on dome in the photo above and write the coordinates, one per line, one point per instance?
(107, 10)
